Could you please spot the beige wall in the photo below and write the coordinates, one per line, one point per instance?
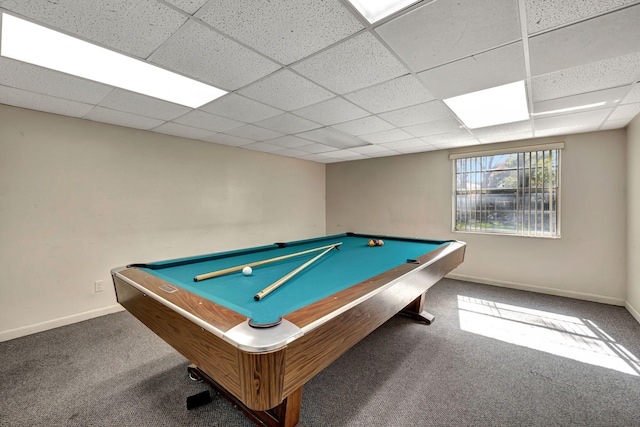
(411, 195)
(633, 213)
(78, 198)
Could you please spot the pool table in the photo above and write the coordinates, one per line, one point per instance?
(260, 352)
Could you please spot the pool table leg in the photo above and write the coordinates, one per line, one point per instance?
(287, 414)
(415, 310)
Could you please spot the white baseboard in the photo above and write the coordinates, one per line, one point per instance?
(633, 311)
(541, 290)
(56, 323)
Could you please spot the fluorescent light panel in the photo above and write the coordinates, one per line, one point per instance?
(375, 10)
(32, 43)
(571, 109)
(489, 107)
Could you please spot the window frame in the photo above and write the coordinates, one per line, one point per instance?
(559, 146)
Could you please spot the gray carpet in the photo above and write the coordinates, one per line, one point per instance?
(493, 357)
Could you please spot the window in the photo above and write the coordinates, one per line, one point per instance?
(515, 192)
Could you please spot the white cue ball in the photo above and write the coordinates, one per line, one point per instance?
(247, 271)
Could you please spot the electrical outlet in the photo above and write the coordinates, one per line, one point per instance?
(98, 286)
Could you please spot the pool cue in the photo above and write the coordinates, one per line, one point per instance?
(266, 291)
(258, 263)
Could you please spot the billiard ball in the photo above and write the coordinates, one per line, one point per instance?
(380, 243)
(247, 270)
(372, 242)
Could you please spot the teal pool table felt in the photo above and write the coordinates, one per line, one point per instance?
(352, 263)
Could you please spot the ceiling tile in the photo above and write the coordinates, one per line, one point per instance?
(363, 126)
(433, 128)
(505, 132)
(224, 139)
(135, 27)
(286, 90)
(177, 129)
(482, 71)
(421, 113)
(461, 135)
(199, 52)
(48, 82)
(443, 31)
(300, 27)
(287, 123)
(386, 136)
(344, 155)
(607, 36)
(263, 146)
(35, 101)
(332, 111)
(254, 133)
(506, 137)
(333, 138)
(609, 73)
(421, 149)
(545, 14)
(409, 145)
(310, 77)
(291, 152)
(586, 101)
(233, 106)
(202, 120)
(628, 111)
(189, 6)
(586, 121)
(289, 141)
(147, 106)
(354, 64)
(633, 96)
(120, 118)
(504, 129)
(614, 124)
(316, 148)
(565, 130)
(391, 95)
(456, 144)
(372, 150)
(388, 153)
(319, 158)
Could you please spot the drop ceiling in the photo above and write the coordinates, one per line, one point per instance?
(312, 79)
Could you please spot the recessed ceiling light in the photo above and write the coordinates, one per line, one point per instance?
(571, 109)
(489, 107)
(32, 43)
(375, 10)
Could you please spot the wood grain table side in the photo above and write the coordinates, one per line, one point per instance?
(333, 338)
